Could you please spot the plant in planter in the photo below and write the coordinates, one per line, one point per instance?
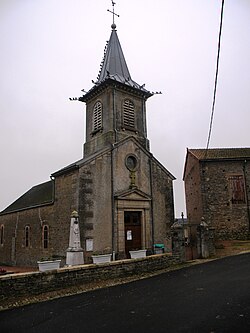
(135, 254)
(48, 264)
(101, 257)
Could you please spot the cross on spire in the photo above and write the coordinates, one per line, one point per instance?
(114, 14)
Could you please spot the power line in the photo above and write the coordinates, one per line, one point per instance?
(216, 78)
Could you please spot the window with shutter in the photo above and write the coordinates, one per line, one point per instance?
(128, 114)
(97, 117)
(237, 189)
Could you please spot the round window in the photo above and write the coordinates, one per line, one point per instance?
(131, 162)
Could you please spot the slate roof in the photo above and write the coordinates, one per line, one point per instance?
(220, 153)
(114, 67)
(114, 62)
(38, 195)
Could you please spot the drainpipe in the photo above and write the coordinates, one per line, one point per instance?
(112, 198)
(14, 242)
(53, 188)
(246, 191)
(114, 115)
(112, 177)
(204, 200)
(152, 208)
(144, 117)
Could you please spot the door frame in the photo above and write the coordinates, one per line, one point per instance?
(134, 225)
(142, 206)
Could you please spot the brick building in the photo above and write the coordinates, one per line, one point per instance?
(217, 187)
(123, 195)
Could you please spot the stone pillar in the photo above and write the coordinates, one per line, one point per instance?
(178, 241)
(203, 237)
(74, 253)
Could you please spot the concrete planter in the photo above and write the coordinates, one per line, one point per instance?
(138, 254)
(48, 265)
(101, 258)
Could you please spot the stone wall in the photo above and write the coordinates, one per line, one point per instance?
(28, 284)
(95, 210)
(14, 249)
(193, 190)
(163, 205)
(230, 220)
(66, 201)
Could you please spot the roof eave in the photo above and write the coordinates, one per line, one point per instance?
(220, 159)
(6, 212)
(65, 170)
(99, 87)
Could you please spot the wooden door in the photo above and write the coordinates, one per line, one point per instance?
(132, 222)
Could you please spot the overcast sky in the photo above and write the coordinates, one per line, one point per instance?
(51, 49)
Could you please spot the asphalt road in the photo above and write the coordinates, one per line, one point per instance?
(212, 297)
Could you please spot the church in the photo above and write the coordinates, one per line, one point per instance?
(122, 193)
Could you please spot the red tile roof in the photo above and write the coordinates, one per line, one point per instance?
(220, 153)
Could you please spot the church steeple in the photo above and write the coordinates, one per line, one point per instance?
(115, 105)
(114, 63)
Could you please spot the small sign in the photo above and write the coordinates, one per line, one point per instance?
(129, 234)
(89, 244)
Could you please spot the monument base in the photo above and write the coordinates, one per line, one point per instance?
(74, 258)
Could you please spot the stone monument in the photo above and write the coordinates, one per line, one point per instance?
(74, 253)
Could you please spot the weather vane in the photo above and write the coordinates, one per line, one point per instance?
(113, 11)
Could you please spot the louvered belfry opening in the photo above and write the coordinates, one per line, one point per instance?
(97, 117)
(128, 114)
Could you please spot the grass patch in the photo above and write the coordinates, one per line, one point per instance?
(244, 245)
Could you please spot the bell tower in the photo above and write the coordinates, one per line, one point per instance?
(115, 105)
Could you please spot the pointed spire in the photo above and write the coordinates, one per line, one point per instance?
(114, 66)
(114, 63)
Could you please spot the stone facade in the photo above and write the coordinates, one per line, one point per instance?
(217, 188)
(123, 195)
(14, 250)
